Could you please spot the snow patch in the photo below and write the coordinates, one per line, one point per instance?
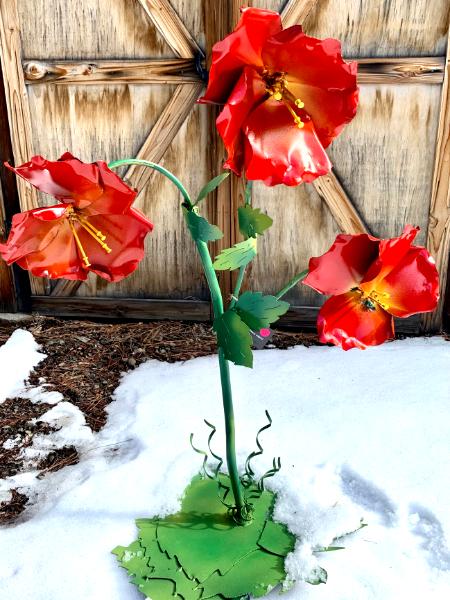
(18, 356)
(361, 434)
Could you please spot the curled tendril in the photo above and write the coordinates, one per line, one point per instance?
(248, 477)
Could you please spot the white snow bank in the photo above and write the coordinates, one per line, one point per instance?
(361, 434)
(17, 358)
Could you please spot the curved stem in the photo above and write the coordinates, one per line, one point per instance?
(290, 284)
(156, 167)
(217, 302)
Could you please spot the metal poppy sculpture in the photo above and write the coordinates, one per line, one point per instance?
(285, 96)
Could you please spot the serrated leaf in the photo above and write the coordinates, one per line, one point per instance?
(237, 256)
(212, 185)
(259, 311)
(233, 336)
(252, 221)
(200, 228)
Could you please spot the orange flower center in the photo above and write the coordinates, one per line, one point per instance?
(75, 216)
(277, 87)
(370, 300)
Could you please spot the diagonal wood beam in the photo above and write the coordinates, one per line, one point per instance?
(153, 149)
(18, 108)
(438, 237)
(171, 27)
(164, 131)
(296, 11)
(331, 191)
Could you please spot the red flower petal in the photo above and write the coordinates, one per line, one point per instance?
(246, 94)
(277, 151)
(32, 231)
(241, 48)
(344, 265)
(317, 75)
(346, 322)
(125, 236)
(59, 259)
(412, 286)
(88, 186)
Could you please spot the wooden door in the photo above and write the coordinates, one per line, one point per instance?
(114, 78)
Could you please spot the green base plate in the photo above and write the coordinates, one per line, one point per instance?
(200, 553)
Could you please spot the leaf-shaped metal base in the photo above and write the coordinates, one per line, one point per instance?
(200, 553)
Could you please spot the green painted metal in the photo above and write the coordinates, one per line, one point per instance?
(258, 311)
(252, 221)
(199, 227)
(199, 553)
(237, 256)
(234, 339)
(211, 185)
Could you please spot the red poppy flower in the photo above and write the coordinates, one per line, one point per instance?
(371, 281)
(286, 96)
(94, 227)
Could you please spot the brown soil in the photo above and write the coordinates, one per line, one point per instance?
(85, 361)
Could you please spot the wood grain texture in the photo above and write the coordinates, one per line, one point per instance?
(387, 70)
(296, 11)
(438, 239)
(171, 27)
(169, 70)
(18, 109)
(122, 308)
(88, 29)
(164, 131)
(341, 207)
(374, 28)
(303, 226)
(384, 157)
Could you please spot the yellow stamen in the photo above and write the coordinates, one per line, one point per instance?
(295, 116)
(95, 233)
(279, 92)
(374, 298)
(79, 244)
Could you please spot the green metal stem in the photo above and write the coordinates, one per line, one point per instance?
(290, 284)
(237, 287)
(217, 302)
(156, 167)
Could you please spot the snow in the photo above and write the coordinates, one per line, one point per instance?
(361, 435)
(17, 357)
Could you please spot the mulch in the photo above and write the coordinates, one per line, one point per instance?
(85, 361)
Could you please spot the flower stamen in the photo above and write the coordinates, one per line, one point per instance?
(95, 233)
(278, 90)
(84, 256)
(373, 299)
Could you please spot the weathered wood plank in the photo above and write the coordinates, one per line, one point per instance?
(171, 27)
(122, 308)
(17, 103)
(162, 134)
(401, 70)
(175, 70)
(296, 11)
(153, 149)
(438, 239)
(331, 191)
(390, 28)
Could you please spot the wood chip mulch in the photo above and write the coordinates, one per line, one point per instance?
(85, 361)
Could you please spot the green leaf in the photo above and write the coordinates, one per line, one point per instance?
(233, 336)
(259, 311)
(237, 256)
(252, 221)
(211, 185)
(200, 228)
